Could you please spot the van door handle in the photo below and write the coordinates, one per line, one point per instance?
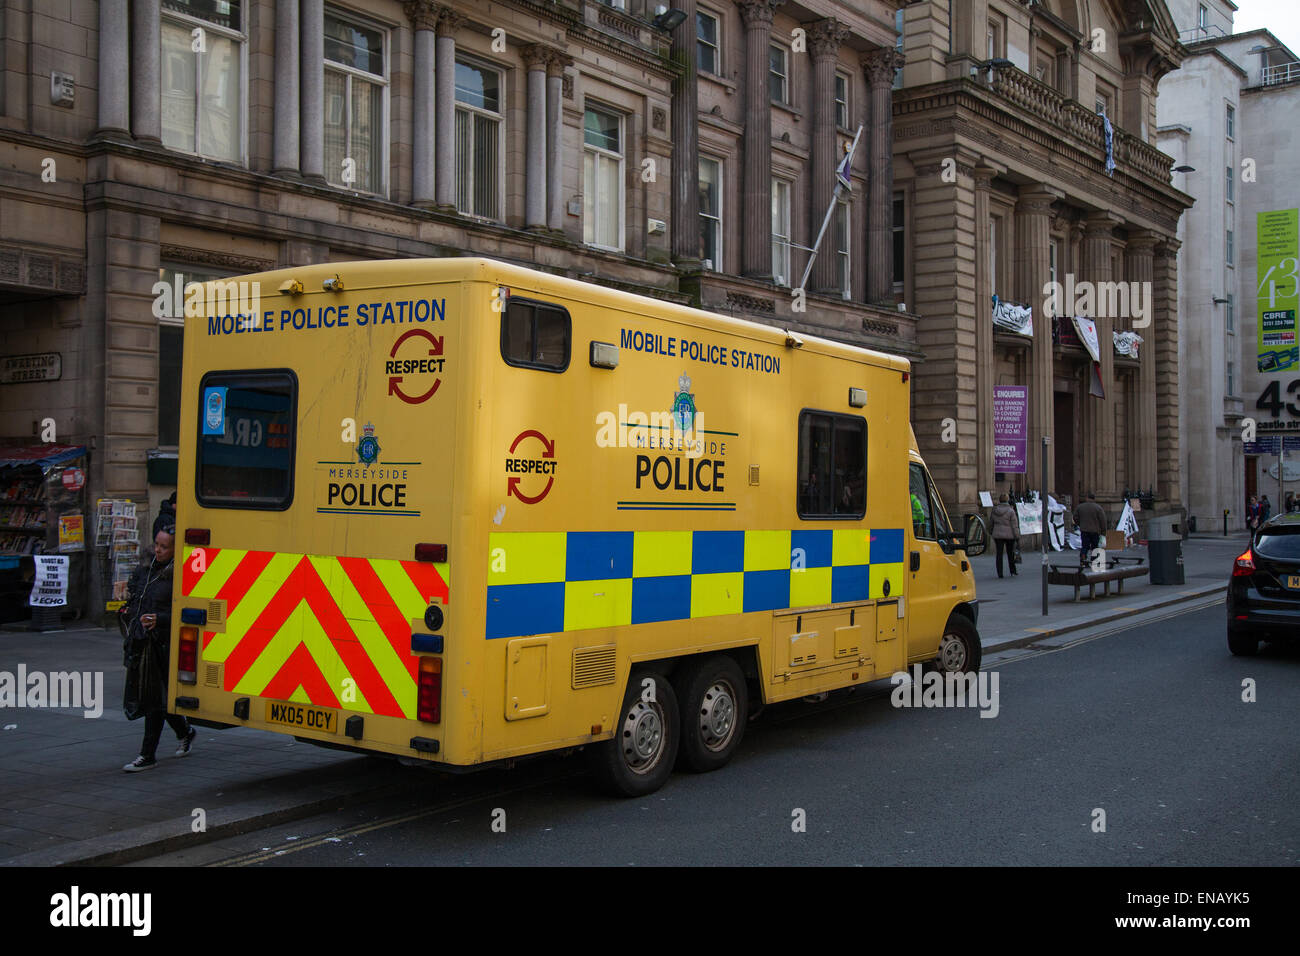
(916, 560)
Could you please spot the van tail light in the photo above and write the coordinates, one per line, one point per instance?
(428, 703)
(187, 657)
(1244, 565)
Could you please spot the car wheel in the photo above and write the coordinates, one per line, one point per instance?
(640, 757)
(1241, 644)
(715, 708)
(959, 648)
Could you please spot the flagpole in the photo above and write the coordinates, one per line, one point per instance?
(830, 210)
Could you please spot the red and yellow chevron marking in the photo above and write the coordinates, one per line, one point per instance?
(299, 625)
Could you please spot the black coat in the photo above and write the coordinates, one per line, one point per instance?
(145, 652)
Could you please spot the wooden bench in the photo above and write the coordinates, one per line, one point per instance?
(1117, 569)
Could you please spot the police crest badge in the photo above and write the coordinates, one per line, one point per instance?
(683, 411)
(368, 448)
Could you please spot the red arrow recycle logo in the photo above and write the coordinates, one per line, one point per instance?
(435, 348)
(512, 483)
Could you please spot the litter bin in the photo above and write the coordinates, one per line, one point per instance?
(1165, 548)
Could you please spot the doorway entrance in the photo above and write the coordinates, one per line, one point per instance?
(1063, 426)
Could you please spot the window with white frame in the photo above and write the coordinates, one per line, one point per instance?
(778, 74)
(898, 44)
(602, 179)
(1228, 182)
(841, 100)
(1229, 316)
(843, 264)
(202, 75)
(1230, 385)
(708, 48)
(1202, 17)
(1230, 121)
(781, 232)
(480, 129)
(711, 213)
(356, 88)
(1227, 247)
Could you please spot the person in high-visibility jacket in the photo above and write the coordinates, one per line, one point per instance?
(919, 517)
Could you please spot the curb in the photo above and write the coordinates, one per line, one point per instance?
(1008, 641)
(154, 839)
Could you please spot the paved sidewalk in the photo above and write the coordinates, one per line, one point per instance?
(64, 797)
(1011, 608)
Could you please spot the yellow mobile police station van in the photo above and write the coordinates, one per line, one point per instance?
(462, 512)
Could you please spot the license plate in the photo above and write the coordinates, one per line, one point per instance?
(1293, 582)
(303, 716)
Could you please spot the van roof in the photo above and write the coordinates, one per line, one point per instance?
(378, 274)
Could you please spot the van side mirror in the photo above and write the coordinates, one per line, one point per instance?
(975, 537)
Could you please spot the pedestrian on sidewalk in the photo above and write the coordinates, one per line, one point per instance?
(1265, 509)
(1006, 534)
(166, 515)
(146, 618)
(1091, 520)
(1289, 502)
(1252, 515)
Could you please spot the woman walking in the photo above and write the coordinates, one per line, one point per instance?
(1006, 532)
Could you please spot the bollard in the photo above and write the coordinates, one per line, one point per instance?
(1225, 522)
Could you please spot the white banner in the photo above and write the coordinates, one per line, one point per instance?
(50, 589)
(1013, 318)
(1087, 330)
(1128, 522)
(1056, 523)
(1030, 514)
(1126, 343)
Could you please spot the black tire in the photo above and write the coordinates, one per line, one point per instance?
(960, 651)
(1242, 645)
(714, 703)
(640, 757)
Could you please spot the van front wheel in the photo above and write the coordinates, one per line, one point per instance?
(959, 648)
(640, 758)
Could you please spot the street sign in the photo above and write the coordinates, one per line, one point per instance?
(40, 367)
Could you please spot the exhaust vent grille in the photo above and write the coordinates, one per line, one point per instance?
(593, 666)
(212, 674)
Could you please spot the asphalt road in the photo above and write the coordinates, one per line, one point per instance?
(1147, 724)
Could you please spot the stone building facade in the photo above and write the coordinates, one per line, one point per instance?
(1000, 165)
(1219, 117)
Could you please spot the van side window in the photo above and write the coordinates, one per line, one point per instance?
(536, 335)
(832, 476)
(246, 433)
(919, 501)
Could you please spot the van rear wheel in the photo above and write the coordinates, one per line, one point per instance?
(715, 708)
(640, 757)
(959, 648)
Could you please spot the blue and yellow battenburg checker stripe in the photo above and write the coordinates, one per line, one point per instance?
(546, 582)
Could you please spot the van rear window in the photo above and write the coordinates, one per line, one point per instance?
(832, 476)
(536, 335)
(246, 439)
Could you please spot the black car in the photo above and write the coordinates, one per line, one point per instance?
(1264, 591)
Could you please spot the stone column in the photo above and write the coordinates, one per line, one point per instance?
(1033, 222)
(686, 143)
(1139, 262)
(423, 15)
(555, 66)
(312, 90)
(284, 150)
(1165, 351)
(984, 360)
(879, 66)
(824, 39)
(756, 178)
(535, 58)
(1099, 434)
(114, 68)
(444, 188)
(146, 70)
